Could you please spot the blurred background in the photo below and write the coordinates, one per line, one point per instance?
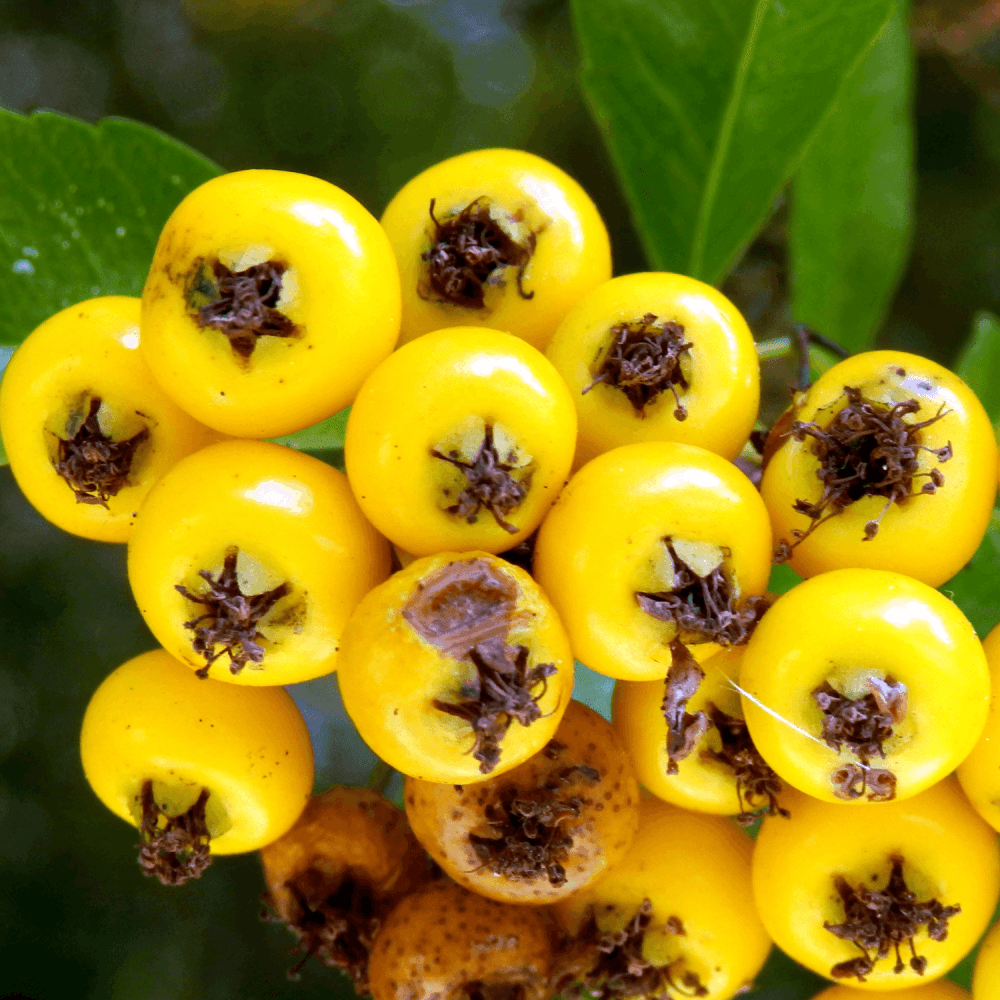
(365, 93)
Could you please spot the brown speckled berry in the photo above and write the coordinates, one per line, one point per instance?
(447, 943)
(545, 829)
(336, 874)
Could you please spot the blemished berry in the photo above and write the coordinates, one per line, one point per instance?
(335, 876)
(455, 668)
(445, 941)
(543, 830)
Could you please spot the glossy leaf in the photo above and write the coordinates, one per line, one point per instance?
(979, 362)
(325, 440)
(707, 108)
(975, 587)
(852, 198)
(81, 208)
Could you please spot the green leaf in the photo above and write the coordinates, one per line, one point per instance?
(975, 587)
(783, 979)
(783, 578)
(852, 198)
(81, 208)
(327, 435)
(979, 362)
(324, 440)
(708, 108)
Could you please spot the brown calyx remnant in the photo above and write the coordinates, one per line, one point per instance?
(489, 484)
(879, 919)
(866, 450)
(466, 609)
(173, 848)
(703, 605)
(862, 725)
(643, 360)
(480, 990)
(336, 921)
(244, 305)
(529, 835)
(755, 778)
(604, 966)
(231, 619)
(468, 250)
(92, 465)
(684, 728)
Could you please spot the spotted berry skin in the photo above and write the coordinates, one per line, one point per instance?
(545, 829)
(445, 941)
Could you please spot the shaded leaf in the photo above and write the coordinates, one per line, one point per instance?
(327, 435)
(783, 578)
(852, 198)
(975, 587)
(81, 208)
(707, 108)
(979, 362)
(593, 689)
(783, 979)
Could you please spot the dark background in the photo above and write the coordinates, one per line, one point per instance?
(364, 93)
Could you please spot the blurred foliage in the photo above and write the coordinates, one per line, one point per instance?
(366, 93)
(979, 362)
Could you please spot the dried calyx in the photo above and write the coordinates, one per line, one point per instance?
(93, 465)
(489, 481)
(243, 304)
(173, 848)
(466, 609)
(530, 831)
(335, 920)
(880, 920)
(862, 725)
(701, 603)
(605, 966)
(480, 990)
(867, 450)
(755, 778)
(684, 729)
(231, 617)
(471, 250)
(644, 360)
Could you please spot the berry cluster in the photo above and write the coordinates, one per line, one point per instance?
(504, 512)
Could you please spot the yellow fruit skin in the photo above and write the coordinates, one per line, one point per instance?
(389, 677)
(949, 854)
(700, 784)
(942, 989)
(418, 396)
(721, 366)
(153, 720)
(599, 545)
(847, 625)
(572, 252)
(986, 973)
(692, 867)
(290, 513)
(959, 510)
(92, 349)
(979, 773)
(340, 289)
